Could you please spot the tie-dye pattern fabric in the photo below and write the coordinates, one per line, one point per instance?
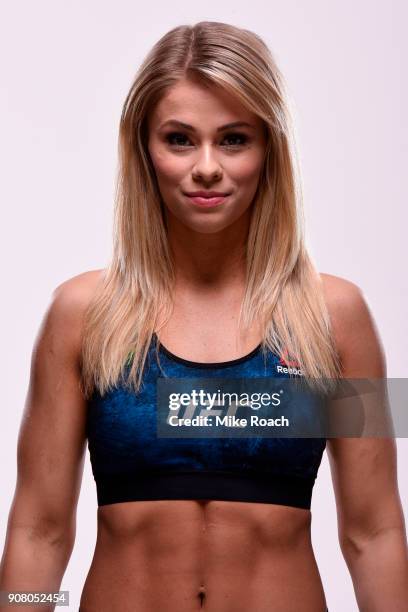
(130, 463)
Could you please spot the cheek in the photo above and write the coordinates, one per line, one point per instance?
(168, 168)
(246, 170)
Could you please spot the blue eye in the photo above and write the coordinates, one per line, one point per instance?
(239, 136)
(176, 139)
(169, 137)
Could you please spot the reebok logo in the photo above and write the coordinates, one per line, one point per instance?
(288, 365)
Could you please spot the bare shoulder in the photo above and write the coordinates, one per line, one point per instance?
(339, 291)
(79, 290)
(61, 326)
(354, 328)
(72, 296)
(344, 299)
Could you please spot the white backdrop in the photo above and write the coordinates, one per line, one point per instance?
(66, 68)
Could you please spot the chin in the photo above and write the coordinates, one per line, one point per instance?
(209, 226)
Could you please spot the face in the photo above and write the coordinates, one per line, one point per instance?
(193, 149)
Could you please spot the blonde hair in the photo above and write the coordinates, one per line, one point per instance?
(283, 290)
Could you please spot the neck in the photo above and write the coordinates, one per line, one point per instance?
(212, 261)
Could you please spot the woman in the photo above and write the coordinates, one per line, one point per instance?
(198, 284)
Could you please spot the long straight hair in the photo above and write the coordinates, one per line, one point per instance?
(283, 291)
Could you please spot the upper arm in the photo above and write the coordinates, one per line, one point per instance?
(52, 438)
(364, 470)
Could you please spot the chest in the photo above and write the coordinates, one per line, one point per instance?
(206, 330)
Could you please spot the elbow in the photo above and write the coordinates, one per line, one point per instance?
(354, 544)
(36, 555)
(54, 532)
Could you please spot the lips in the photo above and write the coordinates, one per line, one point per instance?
(206, 202)
(206, 194)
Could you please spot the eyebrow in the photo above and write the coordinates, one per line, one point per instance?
(227, 126)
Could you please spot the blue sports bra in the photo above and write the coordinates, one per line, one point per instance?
(130, 463)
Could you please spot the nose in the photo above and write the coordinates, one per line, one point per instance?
(207, 166)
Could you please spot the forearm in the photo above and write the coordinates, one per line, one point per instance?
(34, 562)
(379, 570)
